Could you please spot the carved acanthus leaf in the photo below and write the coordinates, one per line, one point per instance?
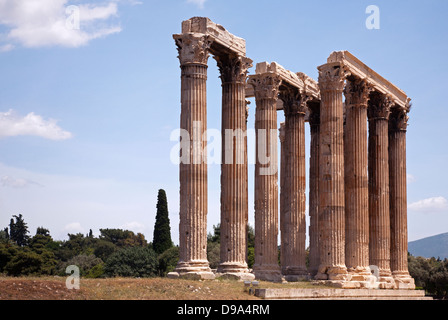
(379, 106)
(193, 48)
(233, 68)
(294, 102)
(398, 120)
(266, 86)
(357, 93)
(332, 77)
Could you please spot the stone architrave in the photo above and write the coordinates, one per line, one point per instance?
(266, 87)
(356, 180)
(331, 174)
(398, 122)
(379, 217)
(314, 121)
(193, 55)
(234, 197)
(292, 217)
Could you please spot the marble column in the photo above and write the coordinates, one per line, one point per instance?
(398, 199)
(193, 55)
(234, 197)
(331, 174)
(356, 180)
(294, 205)
(281, 135)
(378, 167)
(314, 121)
(266, 88)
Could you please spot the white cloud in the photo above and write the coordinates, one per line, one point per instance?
(6, 47)
(74, 227)
(32, 124)
(410, 178)
(429, 205)
(8, 181)
(32, 23)
(134, 226)
(199, 3)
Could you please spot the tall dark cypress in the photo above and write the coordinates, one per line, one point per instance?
(162, 231)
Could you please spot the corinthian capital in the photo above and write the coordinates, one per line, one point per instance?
(233, 68)
(357, 93)
(379, 106)
(398, 120)
(332, 77)
(193, 47)
(294, 102)
(266, 86)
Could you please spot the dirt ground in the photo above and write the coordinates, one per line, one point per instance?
(54, 288)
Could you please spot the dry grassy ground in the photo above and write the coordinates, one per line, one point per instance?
(53, 288)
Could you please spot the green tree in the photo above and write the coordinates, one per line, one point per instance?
(43, 231)
(4, 235)
(216, 236)
(168, 260)
(18, 231)
(24, 262)
(86, 265)
(122, 238)
(103, 249)
(162, 231)
(7, 252)
(213, 254)
(132, 262)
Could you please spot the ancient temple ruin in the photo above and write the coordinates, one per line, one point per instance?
(357, 169)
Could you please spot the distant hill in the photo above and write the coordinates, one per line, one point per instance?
(434, 246)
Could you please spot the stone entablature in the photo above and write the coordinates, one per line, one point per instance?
(299, 81)
(358, 69)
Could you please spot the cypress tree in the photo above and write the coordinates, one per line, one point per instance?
(162, 231)
(18, 231)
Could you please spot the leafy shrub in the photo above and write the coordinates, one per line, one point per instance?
(132, 262)
(85, 263)
(168, 260)
(24, 262)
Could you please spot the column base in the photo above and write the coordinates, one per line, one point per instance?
(403, 280)
(268, 273)
(191, 275)
(294, 274)
(194, 270)
(234, 271)
(332, 273)
(385, 279)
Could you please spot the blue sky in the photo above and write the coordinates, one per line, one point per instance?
(86, 115)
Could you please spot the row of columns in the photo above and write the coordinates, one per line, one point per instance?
(362, 183)
(357, 175)
(194, 50)
(357, 183)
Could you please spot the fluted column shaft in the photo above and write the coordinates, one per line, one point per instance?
(314, 259)
(193, 54)
(283, 152)
(234, 198)
(398, 198)
(379, 219)
(331, 175)
(356, 179)
(266, 187)
(293, 215)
